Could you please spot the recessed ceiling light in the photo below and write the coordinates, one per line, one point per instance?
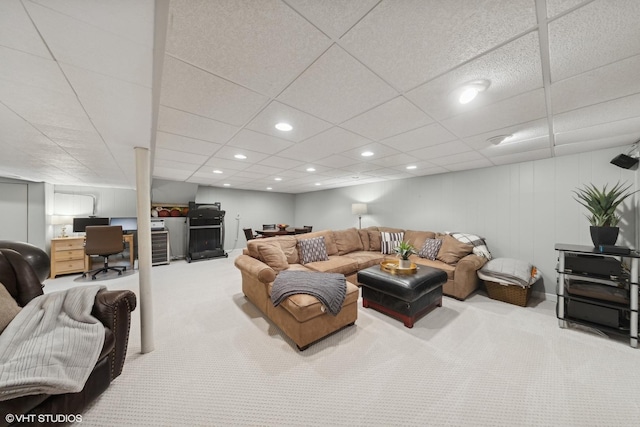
(355, 177)
(227, 185)
(411, 167)
(498, 139)
(217, 171)
(470, 90)
(277, 179)
(285, 127)
(240, 156)
(269, 188)
(317, 183)
(311, 170)
(367, 154)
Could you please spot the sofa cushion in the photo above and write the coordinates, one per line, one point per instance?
(364, 238)
(452, 250)
(389, 241)
(305, 307)
(347, 241)
(272, 255)
(335, 264)
(329, 240)
(449, 269)
(374, 240)
(417, 238)
(312, 250)
(366, 259)
(430, 249)
(9, 308)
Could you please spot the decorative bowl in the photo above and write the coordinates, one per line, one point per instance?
(282, 226)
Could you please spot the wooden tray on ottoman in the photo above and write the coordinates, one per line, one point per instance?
(512, 294)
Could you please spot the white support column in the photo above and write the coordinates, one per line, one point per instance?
(143, 187)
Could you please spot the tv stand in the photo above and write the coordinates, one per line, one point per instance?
(595, 289)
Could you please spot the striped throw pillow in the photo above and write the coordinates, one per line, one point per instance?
(389, 241)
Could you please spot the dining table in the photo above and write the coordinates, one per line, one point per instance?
(278, 231)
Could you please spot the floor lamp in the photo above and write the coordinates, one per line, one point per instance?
(359, 209)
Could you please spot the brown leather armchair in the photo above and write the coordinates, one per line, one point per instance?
(112, 308)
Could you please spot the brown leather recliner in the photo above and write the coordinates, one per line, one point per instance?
(112, 308)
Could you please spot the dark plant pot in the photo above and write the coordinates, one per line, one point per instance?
(604, 235)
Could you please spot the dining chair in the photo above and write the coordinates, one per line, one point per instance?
(308, 227)
(268, 226)
(104, 240)
(248, 234)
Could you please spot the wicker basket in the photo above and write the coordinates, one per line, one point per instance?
(512, 294)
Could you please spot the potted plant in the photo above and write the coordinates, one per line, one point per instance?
(404, 250)
(602, 205)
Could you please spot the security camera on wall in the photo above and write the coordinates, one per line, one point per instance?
(629, 160)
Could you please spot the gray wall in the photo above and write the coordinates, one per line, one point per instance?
(109, 201)
(35, 226)
(522, 210)
(248, 209)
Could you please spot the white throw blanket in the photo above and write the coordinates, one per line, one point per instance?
(52, 345)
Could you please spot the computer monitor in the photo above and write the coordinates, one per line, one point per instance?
(80, 224)
(128, 223)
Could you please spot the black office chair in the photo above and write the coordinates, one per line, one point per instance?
(104, 240)
(268, 226)
(248, 234)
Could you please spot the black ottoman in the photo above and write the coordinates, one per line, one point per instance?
(404, 297)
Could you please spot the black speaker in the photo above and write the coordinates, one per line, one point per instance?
(624, 161)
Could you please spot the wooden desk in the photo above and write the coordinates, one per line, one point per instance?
(67, 255)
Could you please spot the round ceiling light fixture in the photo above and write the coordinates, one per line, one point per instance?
(240, 156)
(498, 139)
(317, 183)
(470, 90)
(367, 154)
(217, 171)
(411, 167)
(269, 188)
(226, 185)
(277, 179)
(285, 127)
(311, 169)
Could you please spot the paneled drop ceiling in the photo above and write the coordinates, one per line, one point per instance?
(76, 86)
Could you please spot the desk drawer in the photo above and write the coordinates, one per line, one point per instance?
(77, 254)
(70, 244)
(70, 266)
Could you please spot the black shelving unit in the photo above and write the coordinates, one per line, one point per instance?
(205, 232)
(608, 299)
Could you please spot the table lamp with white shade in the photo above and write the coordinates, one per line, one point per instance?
(64, 221)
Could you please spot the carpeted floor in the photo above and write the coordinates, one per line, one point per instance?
(479, 362)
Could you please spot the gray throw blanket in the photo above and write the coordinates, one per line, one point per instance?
(52, 345)
(329, 288)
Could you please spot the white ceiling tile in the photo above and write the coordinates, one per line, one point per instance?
(594, 144)
(402, 45)
(180, 156)
(182, 123)
(592, 36)
(171, 173)
(304, 125)
(519, 109)
(469, 156)
(187, 88)
(336, 161)
(379, 151)
(447, 149)
(85, 46)
(512, 69)
(394, 160)
(601, 84)
(611, 111)
(262, 48)
(17, 31)
(629, 128)
(332, 141)
(473, 164)
(333, 17)
(516, 146)
(225, 165)
(336, 87)
(426, 136)
(254, 141)
(555, 7)
(519, 133)
(162, 163)
(527, 156)
(182, 143)
(390, 118)
(29, 70)
(283, 162)
(129, 19)
(228, 153)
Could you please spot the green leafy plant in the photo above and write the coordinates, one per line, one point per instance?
(602, 203)
(404, 249)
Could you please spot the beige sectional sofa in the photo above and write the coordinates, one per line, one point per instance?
(302, 317)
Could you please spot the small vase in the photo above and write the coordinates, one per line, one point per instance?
(405, 263)
(604, 235)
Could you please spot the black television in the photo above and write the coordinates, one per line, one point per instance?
(128, 223)
(80, 224)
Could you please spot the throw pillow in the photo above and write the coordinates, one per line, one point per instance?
(430, 249)
(273, 255)
(9, 308)
(479, 245)
(374, 240)
(452, 250)
(312, 250)
(389, 241)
